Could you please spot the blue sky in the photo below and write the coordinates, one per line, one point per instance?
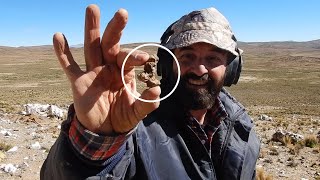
(33, 22)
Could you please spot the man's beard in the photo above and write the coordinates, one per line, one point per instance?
(201, 97)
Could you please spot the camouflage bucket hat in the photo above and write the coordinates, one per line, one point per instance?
(206, 25)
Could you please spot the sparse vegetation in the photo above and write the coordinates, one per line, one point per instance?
(286, 140)
(5, 146)
(295, 149)
(311, 141)
(5, 107)
(274, 151)
(261, 175)
(263, 153)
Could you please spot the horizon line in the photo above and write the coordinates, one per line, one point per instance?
(81, 44)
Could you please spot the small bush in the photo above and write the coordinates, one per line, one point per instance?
(311, 141)
(286, 140)
(295, 149)
(261, 175)
(4, 146)
(274, 151)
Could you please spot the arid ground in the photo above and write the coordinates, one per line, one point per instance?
(280, 80)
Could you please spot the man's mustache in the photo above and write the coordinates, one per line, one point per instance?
(204, 77)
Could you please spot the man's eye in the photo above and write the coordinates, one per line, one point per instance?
(213, 60)
(187, 57)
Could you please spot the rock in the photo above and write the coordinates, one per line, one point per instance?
(36, 109)
(264, 117)
(13, 149)
(310, 130)
(9, 168)
(36, 135)
(36, 145)
(280, 134)
(292, 164)
(44, 110)
(6, 133)
(55, 111)
(282, 173)
(149, 74)
(26, 164)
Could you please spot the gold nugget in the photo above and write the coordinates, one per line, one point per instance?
(149, 74)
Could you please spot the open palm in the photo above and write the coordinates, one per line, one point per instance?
(101, 102)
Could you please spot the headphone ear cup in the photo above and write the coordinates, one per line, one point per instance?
(160, 62)
(164, 63)
(233, 71)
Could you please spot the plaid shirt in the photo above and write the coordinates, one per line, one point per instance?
(97, 147)
(212, 121)
(92, 145)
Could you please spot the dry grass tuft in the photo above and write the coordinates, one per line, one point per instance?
(295, 149)
(261, 175)
(311, 141)
(263, 153)
(286, 141)
(4, 146)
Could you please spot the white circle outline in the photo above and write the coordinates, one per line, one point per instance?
(125, 60)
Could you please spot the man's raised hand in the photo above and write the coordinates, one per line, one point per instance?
(101, 102)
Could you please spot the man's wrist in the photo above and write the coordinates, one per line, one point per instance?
(94, 146)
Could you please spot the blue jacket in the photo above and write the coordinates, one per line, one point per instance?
(162, 147)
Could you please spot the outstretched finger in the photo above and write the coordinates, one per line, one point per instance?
(92, 48)
(136, 58)
(65, 57)
(112, 34)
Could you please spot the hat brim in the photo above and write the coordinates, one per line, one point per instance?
(222, 40)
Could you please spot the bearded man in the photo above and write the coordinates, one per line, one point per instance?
(200, 132)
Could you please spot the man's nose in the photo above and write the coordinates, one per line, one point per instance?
(199, 70)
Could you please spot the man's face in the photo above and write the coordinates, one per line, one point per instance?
(203, 69)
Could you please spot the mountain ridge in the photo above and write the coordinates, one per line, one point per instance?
(313, 44)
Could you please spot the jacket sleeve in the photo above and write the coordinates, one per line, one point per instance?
(64, 160)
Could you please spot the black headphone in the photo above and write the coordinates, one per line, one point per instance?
(164, 67)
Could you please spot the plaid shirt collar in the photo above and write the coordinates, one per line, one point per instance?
(213, 119)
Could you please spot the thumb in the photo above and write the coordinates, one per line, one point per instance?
(141, 109)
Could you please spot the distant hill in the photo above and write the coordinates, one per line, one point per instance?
(247, 46)
(307, 45)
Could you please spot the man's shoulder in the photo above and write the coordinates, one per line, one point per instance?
(238, 117)
(231, 105)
